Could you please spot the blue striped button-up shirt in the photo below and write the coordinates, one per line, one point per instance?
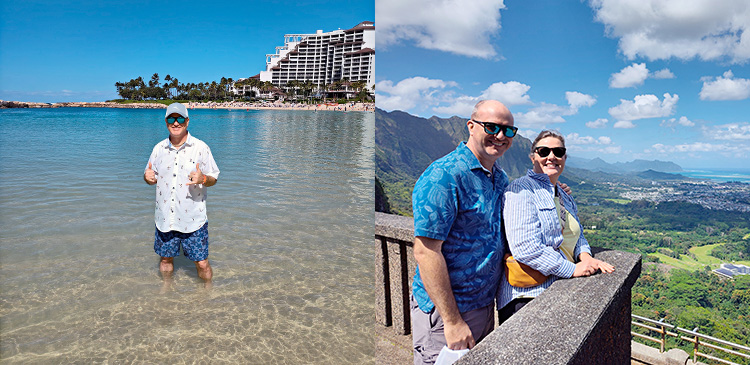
(534, 233)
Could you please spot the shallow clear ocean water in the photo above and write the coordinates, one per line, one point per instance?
(290, 225)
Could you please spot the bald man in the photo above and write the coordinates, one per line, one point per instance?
(458, 242)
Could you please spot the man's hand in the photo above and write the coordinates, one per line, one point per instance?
(566, 188)
(196, 177)
(458, 336)
(434, 272)
(149, 175)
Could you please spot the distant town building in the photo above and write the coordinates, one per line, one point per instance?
(730, 270)
(322, 59)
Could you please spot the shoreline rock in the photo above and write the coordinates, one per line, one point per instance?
(4, 104)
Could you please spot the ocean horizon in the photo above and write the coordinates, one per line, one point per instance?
(718, 174)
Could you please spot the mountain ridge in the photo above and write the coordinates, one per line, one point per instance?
(406, 144)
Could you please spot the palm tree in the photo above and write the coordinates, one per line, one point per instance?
(154, 82)
(167, 85)
(213, 89)
(255, 83)
(222, 88)
(176, 85)
(230, 82)
(266, 86)
(291, 87)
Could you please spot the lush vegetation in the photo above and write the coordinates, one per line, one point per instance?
(695, 299)
(249, 89)
(681, 243)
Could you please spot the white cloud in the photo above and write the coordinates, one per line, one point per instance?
(408, 93)
(658, 29)
(643, 106)
(460, 27)
(725, 87)
(701, 150)
(509, 93)
(545, 114)
(732, 131)
(612, 150)
(461, 106)
(684, 121)
(635, 74)
(435, 94)
(575, 138)
(630, 76)
(698, 147)
(529, 133)
(624, 124)
(664, 73)
(597, 124)
(577, 100)
(588, 144)
(539, 117)
(672, 122)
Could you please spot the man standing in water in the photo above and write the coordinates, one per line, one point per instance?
(458, 242)
(182, 168)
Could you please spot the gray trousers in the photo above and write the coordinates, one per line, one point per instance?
(428, 334)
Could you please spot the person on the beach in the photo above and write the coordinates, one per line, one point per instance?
(182, 168)
(458, 242)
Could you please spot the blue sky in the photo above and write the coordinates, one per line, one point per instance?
(52, 51)
(622, 80)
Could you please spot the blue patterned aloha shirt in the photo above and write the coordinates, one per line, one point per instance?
(458, 201)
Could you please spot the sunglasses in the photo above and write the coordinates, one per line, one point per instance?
(180, 120)
(544, 151)
(494, 128)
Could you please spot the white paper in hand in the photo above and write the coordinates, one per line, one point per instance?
(448, 356)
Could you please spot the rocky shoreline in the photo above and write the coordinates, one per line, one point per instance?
(4, 104)
(370, 107)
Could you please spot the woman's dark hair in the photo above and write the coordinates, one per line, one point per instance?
(544, 134)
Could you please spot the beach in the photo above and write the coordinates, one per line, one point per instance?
(4, 104)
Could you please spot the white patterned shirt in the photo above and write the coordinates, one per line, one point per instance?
(181, 207)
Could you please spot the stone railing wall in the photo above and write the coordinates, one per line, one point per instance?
(575, 321)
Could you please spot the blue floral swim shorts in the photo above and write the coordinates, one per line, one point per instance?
(194, 245)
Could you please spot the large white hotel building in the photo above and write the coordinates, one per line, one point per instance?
(324, 58)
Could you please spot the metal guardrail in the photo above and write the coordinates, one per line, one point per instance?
(697, 339)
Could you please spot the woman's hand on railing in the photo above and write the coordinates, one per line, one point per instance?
(589, 266)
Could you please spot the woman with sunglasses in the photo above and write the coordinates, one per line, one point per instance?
(542, 226)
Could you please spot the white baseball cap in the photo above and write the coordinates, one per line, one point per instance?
(177, 108)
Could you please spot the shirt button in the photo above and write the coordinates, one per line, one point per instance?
(174, 174)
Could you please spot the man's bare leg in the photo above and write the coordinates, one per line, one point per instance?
(166, 267)
(204, 270)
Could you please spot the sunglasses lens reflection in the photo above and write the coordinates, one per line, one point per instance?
(176, 119)
(491, 128)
